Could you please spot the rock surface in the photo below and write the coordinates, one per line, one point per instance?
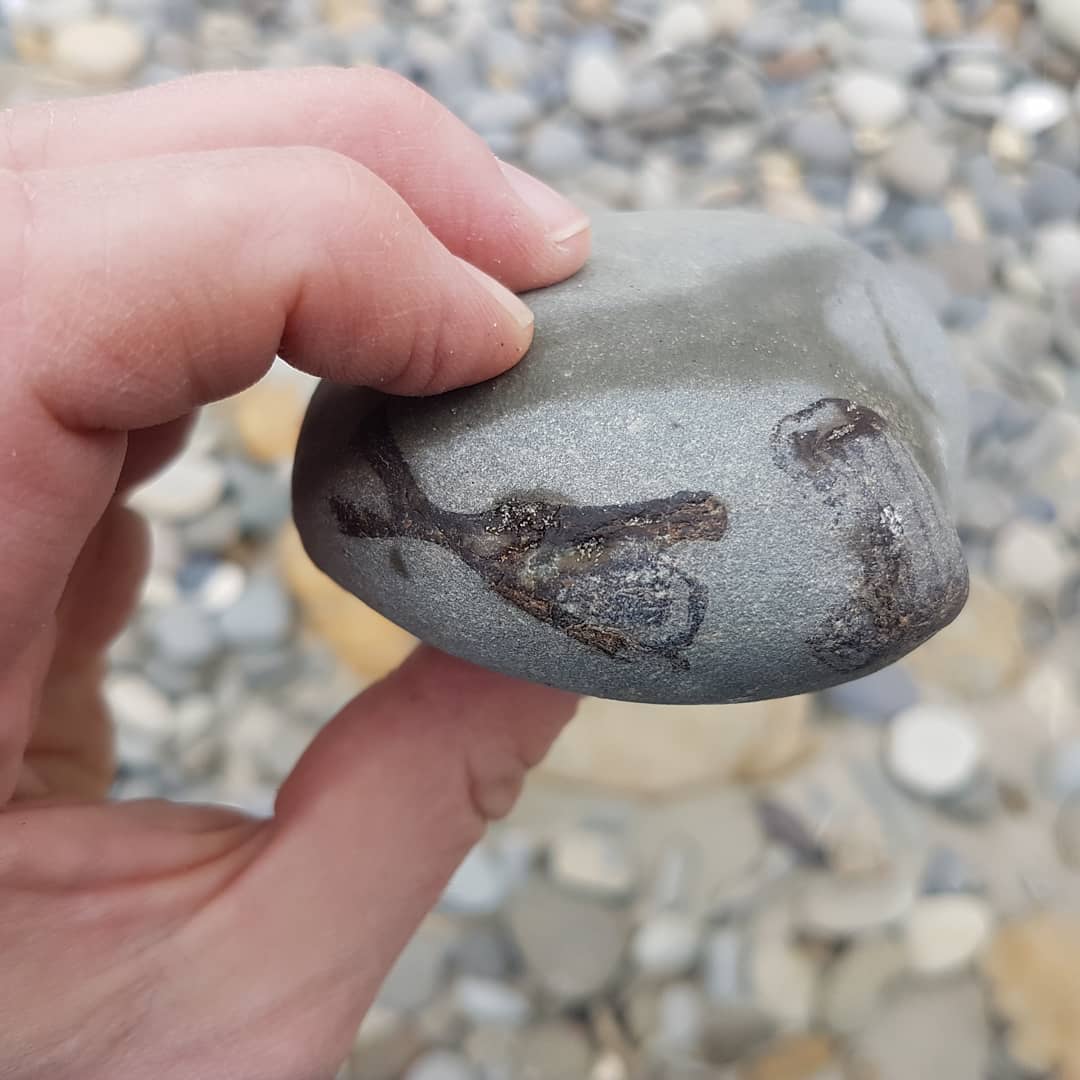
(722, 474)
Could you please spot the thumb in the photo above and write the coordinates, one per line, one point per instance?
(378, 814)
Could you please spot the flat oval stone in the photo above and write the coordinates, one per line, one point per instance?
(722, 473)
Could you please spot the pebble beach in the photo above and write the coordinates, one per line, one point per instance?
(877, 882)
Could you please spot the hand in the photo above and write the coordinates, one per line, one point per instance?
(156, 250)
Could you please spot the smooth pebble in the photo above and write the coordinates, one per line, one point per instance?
(488, 1001)
(944, 934)
(188, 487)
(870, 100)
(593, 861)
(666, 944)
(934, 750)
(479, 885)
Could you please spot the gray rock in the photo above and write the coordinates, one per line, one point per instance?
(925, 227)
(184, 635)
(488, 1001)
(876, 697)
(916, 164)
(216, 531)
(1067, 833)
(1052, 193)
(479, 885)
(889, 18)
(821, 141)
(557, 149)
(1059, 769)
(419, 971)
(553, 1050)
(663, 441)
(722, 966)
(571, 945)
(1062, 19)
(487, 952)
(948, 872)
(261, 618)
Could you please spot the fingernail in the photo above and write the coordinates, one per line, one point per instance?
(562, 219)
(514, 306)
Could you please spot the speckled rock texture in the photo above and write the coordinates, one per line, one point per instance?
(723, 472)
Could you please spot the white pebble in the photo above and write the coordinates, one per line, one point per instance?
(188, 487)
(593, 861)
(934, 750)
(1056, 256)
(1030, 558)
(975, 76)
(869, 100)
(488, 1001)
(944, 934)
(441, 1065)
(666, 944)
(680, 1019)
(479, 885)
(596, 84)
(680, 26)
(222, 587)
(136, 705)
(887, 18)
(101, 50)
(1062, 19)
(1034, 107)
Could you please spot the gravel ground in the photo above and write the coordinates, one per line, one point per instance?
(882, 881)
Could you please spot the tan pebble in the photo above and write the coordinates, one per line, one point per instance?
(981, 652)
(31, 44)
(676, 746)
(103, 50)
(1009, 146)
(268, 418)
(1003, 20)
(966, 217)
(728, 17)
(368, 643)
(794, 64)
(799, 1057)
(349, 15)
(1033, 967)
(942, 18)
(779, 171)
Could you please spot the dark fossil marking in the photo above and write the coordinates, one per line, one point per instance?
(912, 578)
(600, 574)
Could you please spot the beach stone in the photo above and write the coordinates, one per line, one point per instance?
(905, 1040)
(479, 885)
(680, 1020)
(1067, 833)
(488, 1001)
(596, 83)
(103, 50)
(552, 1050)
(1058, 769)
(797, 1057)
(1033, 970)
(835, 907)
(868, 99)
(187, 488)
(783, 980)
(916, 164)
(934, 750)
(856, 982)
(486, 950)
(884, 18)
(945, 934)
(876, 697)
(821, 141)
(184, 634)
(593, 861)
(1034, 107)
(572, 945)
(946, 871)
(441, 1065)
(1052, 193)
(1062, 19)
(666, 944)
(508, 559)
(261, 618)
(723, 956)
(420, 970)
(979, 654)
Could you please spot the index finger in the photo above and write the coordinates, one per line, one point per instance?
(498, 218)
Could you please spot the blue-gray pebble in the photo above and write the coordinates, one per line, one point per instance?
(721, 474)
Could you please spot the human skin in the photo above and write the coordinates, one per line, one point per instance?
(156, 250)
